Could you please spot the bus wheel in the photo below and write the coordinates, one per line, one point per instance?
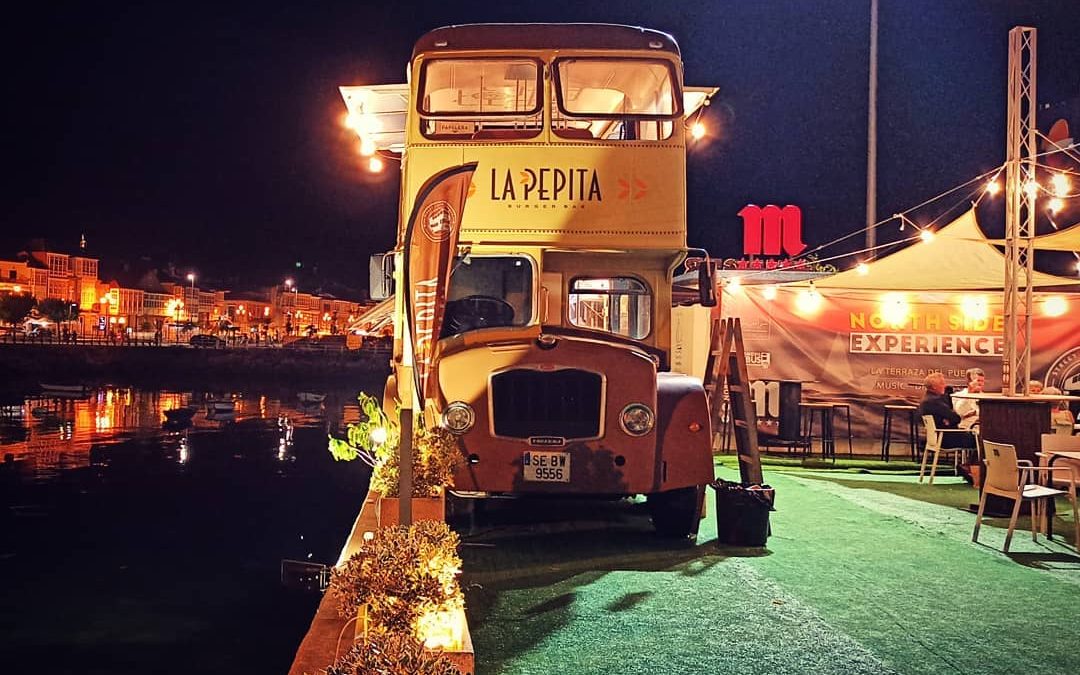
(677, 513)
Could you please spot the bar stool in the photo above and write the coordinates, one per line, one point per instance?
(847, 415)
(824, 413)
(900, 411)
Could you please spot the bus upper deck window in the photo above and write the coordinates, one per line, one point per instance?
(475, 99)
(619, 305)
(615, 99)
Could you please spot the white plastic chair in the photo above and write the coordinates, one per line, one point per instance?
(1011, 478)
(1056, 442)
(934, 438)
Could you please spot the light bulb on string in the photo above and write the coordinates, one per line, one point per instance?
(1055, 205)
(1061, 185)
(993, 186)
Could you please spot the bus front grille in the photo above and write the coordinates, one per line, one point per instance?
(561, 403)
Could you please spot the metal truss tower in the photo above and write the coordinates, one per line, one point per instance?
(1020, 193)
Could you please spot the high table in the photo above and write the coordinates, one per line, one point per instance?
(1017, 420)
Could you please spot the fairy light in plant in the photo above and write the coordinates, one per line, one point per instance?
(378, 435)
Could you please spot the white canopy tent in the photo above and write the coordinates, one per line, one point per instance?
(958, 258)
(1062, 240)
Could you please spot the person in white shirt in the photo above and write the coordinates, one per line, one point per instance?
(968, 408)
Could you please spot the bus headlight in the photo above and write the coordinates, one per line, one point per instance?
(458, 417)
(637, 419)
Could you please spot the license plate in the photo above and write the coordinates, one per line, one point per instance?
(546, 467)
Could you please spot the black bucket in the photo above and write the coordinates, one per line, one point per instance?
(742, 513)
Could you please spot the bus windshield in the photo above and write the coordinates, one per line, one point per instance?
(489, 291)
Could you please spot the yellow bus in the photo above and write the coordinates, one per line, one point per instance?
(553, 361)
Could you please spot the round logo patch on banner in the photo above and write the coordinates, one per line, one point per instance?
(438, 221)
(1064, 373)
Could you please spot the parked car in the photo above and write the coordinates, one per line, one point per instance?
(205, 340)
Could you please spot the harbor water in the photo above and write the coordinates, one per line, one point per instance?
(132, 541)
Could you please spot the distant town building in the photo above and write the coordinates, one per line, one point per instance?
(150, 302)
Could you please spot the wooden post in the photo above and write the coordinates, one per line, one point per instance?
(405, 477)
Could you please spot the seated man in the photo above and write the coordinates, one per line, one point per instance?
(1035, 387)
(968, 408)
(1061, 418)
(936, 404)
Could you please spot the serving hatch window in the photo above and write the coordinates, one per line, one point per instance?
(619, 305)
(478, 95)
(615, 99)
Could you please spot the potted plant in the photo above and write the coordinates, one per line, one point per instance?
(403, 582)
(376, 440)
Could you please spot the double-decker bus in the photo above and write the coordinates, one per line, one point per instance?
(552, 361)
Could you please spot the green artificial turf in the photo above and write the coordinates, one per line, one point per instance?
(864, 573)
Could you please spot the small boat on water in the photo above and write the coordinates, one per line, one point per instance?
(63, 389)
(310, 397)
(177, 415)
(220, 406)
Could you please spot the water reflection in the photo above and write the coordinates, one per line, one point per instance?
(47, 433)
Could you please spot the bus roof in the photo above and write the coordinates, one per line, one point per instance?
(481, 36)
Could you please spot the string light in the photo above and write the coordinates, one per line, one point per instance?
(734, 285)
(993, 186)
(974, 307)
(1055, 305)
(1061, 185)
(862, 269)
(895, 309)
(1055, 205)
(1031, 188)
(375, 165)
(927, 236)
(697, 131)
(769, 292)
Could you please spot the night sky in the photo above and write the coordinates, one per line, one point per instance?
(211, 136)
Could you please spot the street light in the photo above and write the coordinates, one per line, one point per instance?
(173, 307)
(291, 286)
(191, 278)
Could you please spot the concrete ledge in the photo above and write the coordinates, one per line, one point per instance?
(320, 645)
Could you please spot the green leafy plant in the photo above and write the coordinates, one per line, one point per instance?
(372, 440)
(391, 654)
(14, 307)
(400, 575)
(376, 440)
